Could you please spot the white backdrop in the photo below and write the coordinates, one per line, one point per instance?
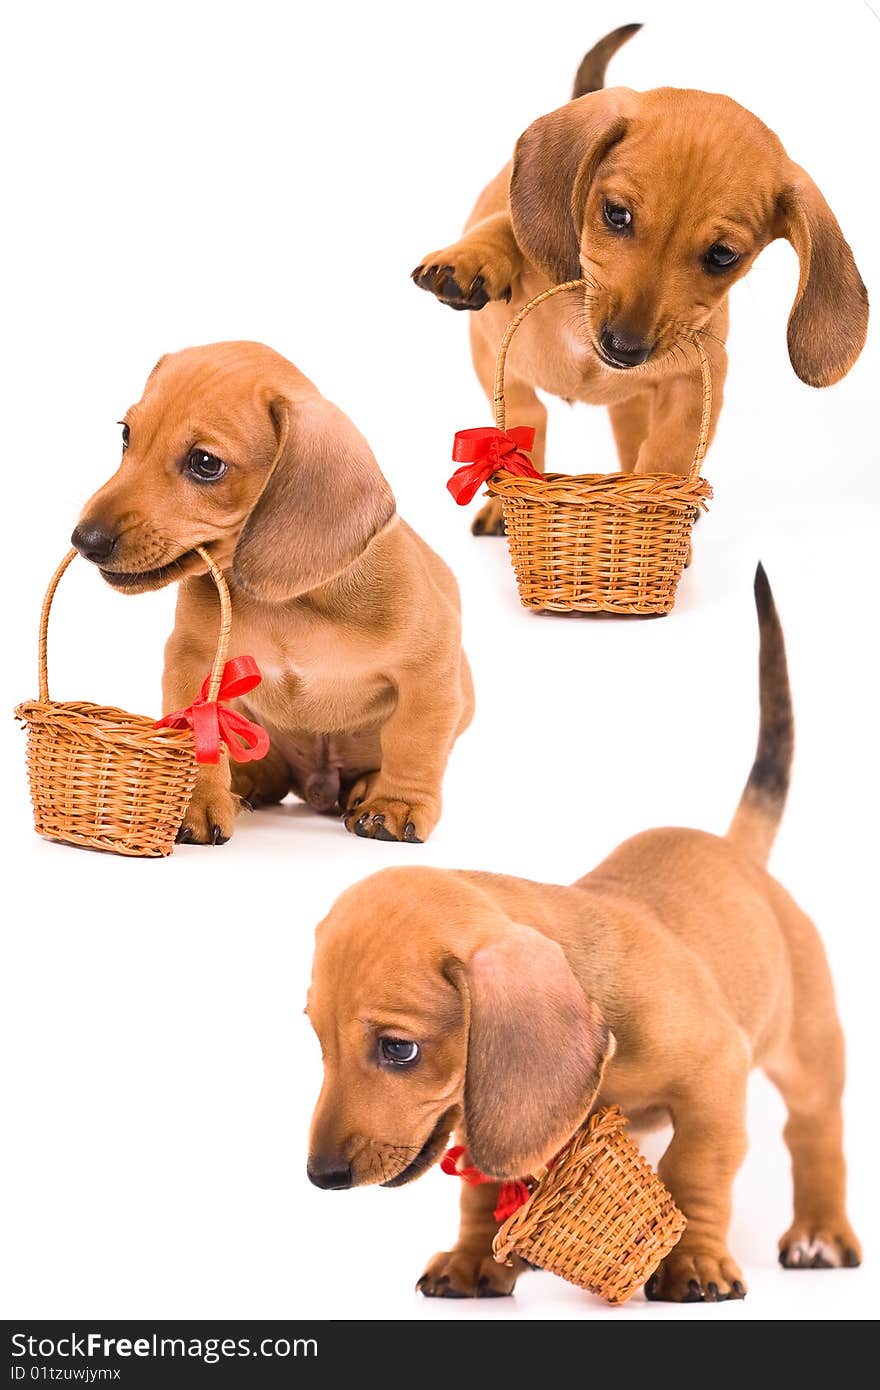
(185, 172)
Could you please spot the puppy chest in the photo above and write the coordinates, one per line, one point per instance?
(298, 695)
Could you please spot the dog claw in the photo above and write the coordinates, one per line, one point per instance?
(409, 834)
(217, 836)
(184, 835)
(380, 830)
(737, 1289)
(372, 828)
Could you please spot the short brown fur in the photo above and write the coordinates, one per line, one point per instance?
(694, 168)
(352, 618)
(654, 983)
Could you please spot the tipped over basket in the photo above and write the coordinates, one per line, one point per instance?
(600, 1217)
(598, 542)
(105, 779)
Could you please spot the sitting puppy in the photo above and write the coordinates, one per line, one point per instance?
(661, 201)
(353, 620)
(491, 1006)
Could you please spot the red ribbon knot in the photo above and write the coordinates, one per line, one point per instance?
(514, 1192)
(484, 451)
(212, 722)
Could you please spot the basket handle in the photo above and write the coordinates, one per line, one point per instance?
(222, 638)
(504, 346)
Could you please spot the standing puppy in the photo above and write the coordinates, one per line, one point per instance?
(352, 618)
(661, 201)
(490, 1005)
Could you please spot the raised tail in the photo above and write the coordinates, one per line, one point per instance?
(759, 812)
(591, 73)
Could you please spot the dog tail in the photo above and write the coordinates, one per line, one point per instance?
(759, 812)
(591, 73)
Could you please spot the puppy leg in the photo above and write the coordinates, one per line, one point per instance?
(401, 800)
(523, 408)
(211, 812)
(699, 1167)
(811, 1083)
(212, 809)
(675, 419)
(820, 1237)
(480, 266)
(808, 1068)
(630, 423)
(469, 1269)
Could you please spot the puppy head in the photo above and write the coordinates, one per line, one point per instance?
(662, 200)
(232, 449)
(435, 1013)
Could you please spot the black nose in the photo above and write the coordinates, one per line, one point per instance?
(93, 541)
(331, 1177)
(623, 351)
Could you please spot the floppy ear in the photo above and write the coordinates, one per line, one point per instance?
(829, 318)
(324, 501)
(537, 1047)
(553, 166)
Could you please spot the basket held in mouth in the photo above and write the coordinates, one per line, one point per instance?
(106, 779)
(597, 542)
(600, 1216)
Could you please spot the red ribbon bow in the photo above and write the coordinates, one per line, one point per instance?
(514, 1192)
(212, 723)
(484, 451)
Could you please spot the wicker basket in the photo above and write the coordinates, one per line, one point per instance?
(600, 1217)
(103, 778)
(600, 542)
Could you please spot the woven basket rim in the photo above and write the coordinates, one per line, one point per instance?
(105, 724)
(619, 489)
(616, 479)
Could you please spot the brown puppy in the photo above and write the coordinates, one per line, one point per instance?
(661, 200)
(491, 1005)
(353, 620)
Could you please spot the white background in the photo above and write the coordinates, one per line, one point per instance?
(181, 173)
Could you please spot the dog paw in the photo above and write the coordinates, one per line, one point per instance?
(209, 818)
(465, 1274)
(820, 1246)
(688, 1276)
(462, 277)
(374, 815)
(489, 520)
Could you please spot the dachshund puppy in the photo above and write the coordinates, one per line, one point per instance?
(660, 201)
(353, 620)
(507, 1010)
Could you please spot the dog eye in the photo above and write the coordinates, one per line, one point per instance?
(398, 1052)
(720, 257)
(206, 467)
(617, 216)
(126, 435)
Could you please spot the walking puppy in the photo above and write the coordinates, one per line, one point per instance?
(491, 1006)
(661, 200)
(352, 618)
